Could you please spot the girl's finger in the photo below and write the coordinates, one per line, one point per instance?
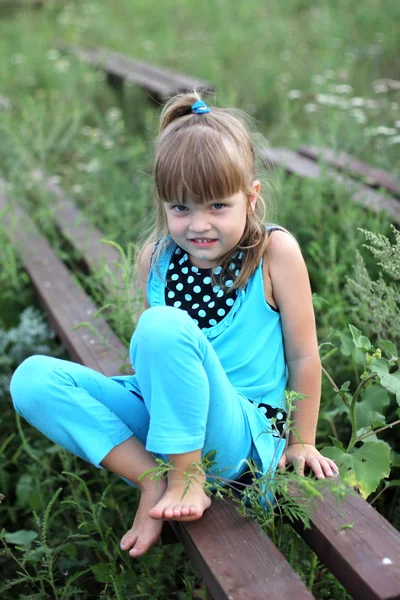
(315, 465)
(333, 465)
(298, 464)
(282, 462)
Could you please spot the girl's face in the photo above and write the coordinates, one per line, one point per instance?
(208, 231)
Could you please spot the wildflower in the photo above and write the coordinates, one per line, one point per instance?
(310, 107)
(329, 74)
(380, 88)
(62, 65)
(397, 124)
(294, 94)
(113, 114)
(107, 144)
(17, 59)
(359, 115)
(394, 140)
(77, 189)
(53, 54)
(5, 103)
(343, 88)
(318, 79)
(357, 101)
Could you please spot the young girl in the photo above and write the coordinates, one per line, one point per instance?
(229, 322)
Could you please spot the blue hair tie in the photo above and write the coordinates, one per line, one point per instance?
(200, 108)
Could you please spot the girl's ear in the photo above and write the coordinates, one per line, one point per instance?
(256, 187)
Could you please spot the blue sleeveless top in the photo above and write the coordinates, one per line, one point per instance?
(249, 344)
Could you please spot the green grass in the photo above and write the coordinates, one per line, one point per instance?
(285, 63)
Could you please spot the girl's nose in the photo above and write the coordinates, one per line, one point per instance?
(199, 223)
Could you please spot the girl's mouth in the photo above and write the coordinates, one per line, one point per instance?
(203, 242)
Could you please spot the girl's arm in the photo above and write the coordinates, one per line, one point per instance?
(292, 294)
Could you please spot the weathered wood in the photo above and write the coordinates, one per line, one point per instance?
(371, 176)
(357, 544)
(161, 83)
(305, 167)
(65, 302)
(75, 227)
(236, 559)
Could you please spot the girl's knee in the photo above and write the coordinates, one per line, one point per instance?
(159, 326)
(30, 380)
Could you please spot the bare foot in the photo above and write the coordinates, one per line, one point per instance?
(145, 530)
(178, 505)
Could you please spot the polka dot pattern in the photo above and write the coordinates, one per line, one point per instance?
(190, 288)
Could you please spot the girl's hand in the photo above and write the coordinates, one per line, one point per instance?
(302, 455)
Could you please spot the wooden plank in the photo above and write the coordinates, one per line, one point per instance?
(65, 302)
(298, 165)
(79, 231)
(161, 82)
(372, 176)
(357, 544)
(236, 559)
(231, 570)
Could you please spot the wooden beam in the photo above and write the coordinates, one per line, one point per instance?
(371, 176)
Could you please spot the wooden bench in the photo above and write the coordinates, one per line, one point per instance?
(358, 178)
(159, 83)
(235, 558)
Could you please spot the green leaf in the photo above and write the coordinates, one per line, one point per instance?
(21, 537)
(336, 443)
(360, 341)
(389, 349)
(395, 459)
(390, 381)
(369, 410)
(102, 572)
(27, 493)
(362, 468)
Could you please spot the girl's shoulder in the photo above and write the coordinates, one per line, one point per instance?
(282, 255)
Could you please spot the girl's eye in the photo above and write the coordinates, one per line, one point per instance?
(218, 205)
(179, 208)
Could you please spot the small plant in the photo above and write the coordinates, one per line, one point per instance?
(371, 298)
(31, 336)
(366, 459)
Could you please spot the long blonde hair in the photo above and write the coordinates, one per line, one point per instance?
(201, 158)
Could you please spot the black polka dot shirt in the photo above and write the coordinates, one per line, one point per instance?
(191, 289)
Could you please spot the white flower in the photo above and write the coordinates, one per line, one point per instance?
(53, 54)
(310, 107)
(329, 74)
(113, 114)
(77, 189)
(5, 103)
(17, 59)
(394, 140)
(62, 65)
(397, 124)
(343, 88)
(318, 79)
(328, 99)
(294, 94)
(380, 88)
(359, 115)
(382, 130)
(107, 144)
(357, 101)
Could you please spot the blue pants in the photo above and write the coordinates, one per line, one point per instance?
(179, 400)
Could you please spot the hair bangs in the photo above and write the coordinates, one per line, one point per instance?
(198, 169)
